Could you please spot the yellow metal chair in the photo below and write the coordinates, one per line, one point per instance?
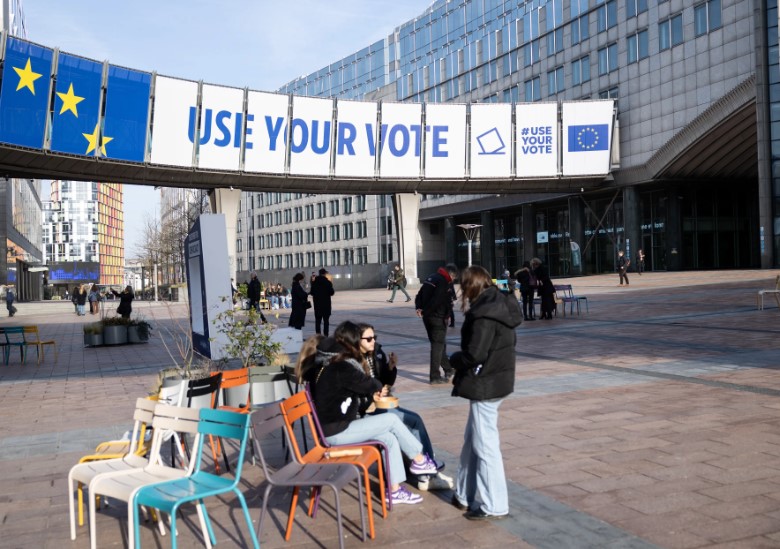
(32, 338)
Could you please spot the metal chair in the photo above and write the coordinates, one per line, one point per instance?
(295, 474)
(197, 391)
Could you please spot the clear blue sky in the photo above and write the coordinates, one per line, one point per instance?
(260, 44)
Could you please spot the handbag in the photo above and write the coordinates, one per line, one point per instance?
(308, 304)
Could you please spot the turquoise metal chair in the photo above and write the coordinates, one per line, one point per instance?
(170, 495)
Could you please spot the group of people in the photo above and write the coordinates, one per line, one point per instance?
(349, 372)
(86, 293)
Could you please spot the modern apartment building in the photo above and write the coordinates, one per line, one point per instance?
(83, 234)
(697, 138)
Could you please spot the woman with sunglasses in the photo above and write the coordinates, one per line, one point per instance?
(340, 389)
(382, 366)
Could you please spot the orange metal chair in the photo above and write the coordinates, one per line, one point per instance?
(296, 408)
(231, 379)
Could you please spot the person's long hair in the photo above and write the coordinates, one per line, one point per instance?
(348, 335)
(306, 356)
(473, 281)
(363, 327)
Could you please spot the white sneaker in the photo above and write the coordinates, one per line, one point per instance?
(438, 482)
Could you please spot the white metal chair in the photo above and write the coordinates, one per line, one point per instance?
(775, 292)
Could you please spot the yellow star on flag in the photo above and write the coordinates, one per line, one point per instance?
(92, 139)
(27, 77)
(69, 101)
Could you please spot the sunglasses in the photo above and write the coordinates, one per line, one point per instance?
(369, 338)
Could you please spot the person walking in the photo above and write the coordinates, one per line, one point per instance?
(485, 375)
(10, 297)
(125, 301)
(640, 261)
(527, 282)
(398, 282)
(94, 300)
(253, 292)
(433, 304)
(622, 267)
(546, 289)
(453, 295)
(300, 302)
(321, 292)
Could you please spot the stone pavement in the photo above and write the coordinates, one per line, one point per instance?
(651, 421)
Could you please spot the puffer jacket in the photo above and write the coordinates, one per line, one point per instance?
(485, 365)
(338, 387)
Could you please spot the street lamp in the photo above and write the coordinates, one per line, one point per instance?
(470, 230)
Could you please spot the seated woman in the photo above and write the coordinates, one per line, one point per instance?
(383, 367)
(334, 370)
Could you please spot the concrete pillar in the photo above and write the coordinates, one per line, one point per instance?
(406, 213)
(673, 231)
(487, 242)
(226, 201)
(576, 234)
(632, 229)
(529, 232)
(450, 240)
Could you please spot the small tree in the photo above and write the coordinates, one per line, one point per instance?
(249, 339)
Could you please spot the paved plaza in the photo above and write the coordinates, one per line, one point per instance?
(653, 420)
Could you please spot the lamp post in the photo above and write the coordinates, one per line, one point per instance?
(470, 230)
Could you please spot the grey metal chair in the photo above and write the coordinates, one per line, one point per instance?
(268, 419)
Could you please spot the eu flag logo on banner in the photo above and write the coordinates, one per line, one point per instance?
(127, 113)
(75, 123)
(593, 137)
(24, 99)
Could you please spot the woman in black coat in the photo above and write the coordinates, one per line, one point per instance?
(546, 288)
(300, 300)
(527, 289)
(485, 375)
(125, 301)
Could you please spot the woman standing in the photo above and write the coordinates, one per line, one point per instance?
(94, 300)
(485, 374)
(527, 288)
(300, 302)
(339, 388)
(81, 299)
(546, 288)
(125, 301)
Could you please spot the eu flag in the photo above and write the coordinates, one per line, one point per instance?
(24, 99)
(593, 137)
(75, 121)
(127, 113)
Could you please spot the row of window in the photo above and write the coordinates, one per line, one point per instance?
(310, 260)
(308, 212)
(332, 233)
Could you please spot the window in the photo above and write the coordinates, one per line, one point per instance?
(706, 17)
(579, 29)
(670, 32)
(637, 46)
(361, 202)
(348, 231)
(531, 53)
(334, 233)
(533, 90)
(239, 247)
(347, 205)
(555, 41)
(555, 81)
(608, 61)
(322, 234)
(334, 208)
(362, 230)
(580, 70)
(611, 93)
(606, 16)
(635, 7)
(321, 211)
(335, 257)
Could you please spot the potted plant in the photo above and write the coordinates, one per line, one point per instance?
(93, 334)
(138, 331)
(114, 330)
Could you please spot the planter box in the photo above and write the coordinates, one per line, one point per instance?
(133, 335)
(95, 340)
(114, 335)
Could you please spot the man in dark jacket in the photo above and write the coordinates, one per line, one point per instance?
(321, 291)
(434, 305)
(253, 292)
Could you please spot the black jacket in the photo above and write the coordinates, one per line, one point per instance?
(321, 290)
(253, 290)
(485, 365)
(337, 387)
(379, 363)
(433, 297)
(125, 302)
(298, 305)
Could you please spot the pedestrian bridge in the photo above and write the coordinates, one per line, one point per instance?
(63, 116)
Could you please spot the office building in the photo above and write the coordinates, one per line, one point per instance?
(695, 83)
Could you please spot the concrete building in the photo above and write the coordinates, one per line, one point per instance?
(83, 234)
(698, 132)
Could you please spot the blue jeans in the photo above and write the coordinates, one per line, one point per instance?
(415, 424)
(386, 428)
(481, 468)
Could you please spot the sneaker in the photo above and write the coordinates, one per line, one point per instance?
(427, 467)
(439, 482)
(402, 495)
(408, 299)
(439, 381)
